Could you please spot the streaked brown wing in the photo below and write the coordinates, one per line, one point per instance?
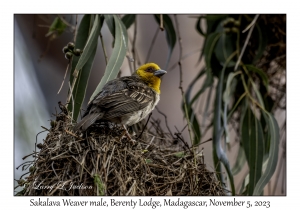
(126, 101)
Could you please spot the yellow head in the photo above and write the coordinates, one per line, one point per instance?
(151, 73)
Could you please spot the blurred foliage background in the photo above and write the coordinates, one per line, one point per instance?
(224, 92)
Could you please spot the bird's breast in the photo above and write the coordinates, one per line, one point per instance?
(137, 116)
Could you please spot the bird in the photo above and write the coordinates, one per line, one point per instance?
(126, 100)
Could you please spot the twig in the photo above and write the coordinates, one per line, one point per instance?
(103, 47)
(36, 144)
(161, 25)
(166, 120)
(75, 29)
(151, 45)
(130, 60)
(82, 166)
(184, 142)
(107, 164)
(145, 126)
(133, 43)
(150, 143)
(203, 142)
(71, 92)
(24, 162)
(46, 50)
(183, 58)
(64, 78)
(75, 75)
(251, 24)
(246, 43)
(184, 128)
(180, 82)
(137, 59)
(54, 169)
(25, 174)
(34, 153)
(134, 183)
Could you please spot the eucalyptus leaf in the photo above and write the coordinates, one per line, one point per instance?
(198, 25)
(253, 143)
(128, 20)
(170, 34)
(117, 56)
(273, 129)
(261, 74)
(212, 21)
(87, 39)
(195, 126)
(191, 114)
(218, 153)
(81, 39)
(228, 90)
(90, 44)
(109, 20)
(224, 48)
(240, 161)
(191, 85)
(209, 48)
(262, 41)
(207, 83)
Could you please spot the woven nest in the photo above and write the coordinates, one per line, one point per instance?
(98, 162)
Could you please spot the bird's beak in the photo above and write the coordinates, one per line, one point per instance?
(159, 72)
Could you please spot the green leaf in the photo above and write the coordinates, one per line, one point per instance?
(198, 25)
(253, 143)
(212, 22)
(240, 161)
(195, 126)
(128, 20)
(262, 41)
(191, 85)
(261, 74)
(57, 26)
(109, 19)
(207, 106)
(209, 48)
(179, 154)
(218, 153)
(88, 42)
(191, 114)
(148, 161)
(225, 46)
(170, 34)
(207, 83)
(229, 91)
(242, 187)
(273, 129)
(81, 39)
(117, 57)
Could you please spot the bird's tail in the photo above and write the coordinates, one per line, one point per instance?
(87, 121)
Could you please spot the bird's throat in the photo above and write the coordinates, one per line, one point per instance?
(154, 83)
(151, 80)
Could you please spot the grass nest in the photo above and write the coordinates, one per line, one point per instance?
(98, 162)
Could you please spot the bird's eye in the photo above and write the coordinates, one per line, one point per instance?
(149, 69)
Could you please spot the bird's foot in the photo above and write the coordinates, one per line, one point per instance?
(132, 141)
